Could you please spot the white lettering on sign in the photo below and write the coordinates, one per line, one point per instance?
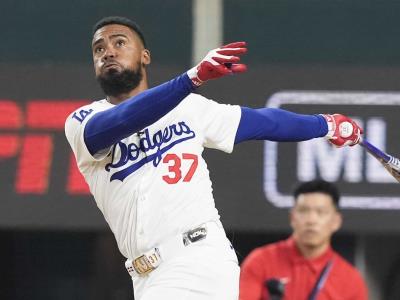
(318, 159)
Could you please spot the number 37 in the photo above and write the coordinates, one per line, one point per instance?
(174, 167)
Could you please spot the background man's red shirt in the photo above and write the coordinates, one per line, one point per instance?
(282, 260)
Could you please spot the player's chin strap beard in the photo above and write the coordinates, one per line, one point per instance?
(115, 83)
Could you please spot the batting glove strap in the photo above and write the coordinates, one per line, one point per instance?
(330, 121)
(342, 131)
(192, 73)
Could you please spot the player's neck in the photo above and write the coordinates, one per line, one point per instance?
(311, 252)
(122, 97)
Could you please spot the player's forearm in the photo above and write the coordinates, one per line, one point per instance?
(108, 127)
(279, 125)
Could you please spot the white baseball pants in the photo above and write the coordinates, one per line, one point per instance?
(205, 270)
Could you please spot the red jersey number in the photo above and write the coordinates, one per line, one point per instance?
(174, 167)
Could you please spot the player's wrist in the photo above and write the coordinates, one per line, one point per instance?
(193, 76)
(331, 124)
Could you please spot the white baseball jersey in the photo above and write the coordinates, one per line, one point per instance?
(155, 184)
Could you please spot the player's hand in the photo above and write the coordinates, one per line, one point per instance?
(342, 131)
(219, 62)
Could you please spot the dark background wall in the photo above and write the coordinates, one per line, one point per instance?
(56, 245)
(312, 31)
(60, 31)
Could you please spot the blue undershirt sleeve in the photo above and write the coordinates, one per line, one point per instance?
(279, 125)
(110, 126)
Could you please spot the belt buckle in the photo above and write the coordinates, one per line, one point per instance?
(142, 265)
(147, 262)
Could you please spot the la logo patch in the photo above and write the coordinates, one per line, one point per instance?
(82, 114)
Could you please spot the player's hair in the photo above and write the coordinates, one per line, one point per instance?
(318, 186)
(120, 21)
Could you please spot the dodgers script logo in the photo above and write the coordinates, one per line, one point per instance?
(159, 143)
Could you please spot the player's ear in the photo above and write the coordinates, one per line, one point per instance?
(146, 58)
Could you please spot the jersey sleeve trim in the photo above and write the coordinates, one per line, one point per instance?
(234, 129)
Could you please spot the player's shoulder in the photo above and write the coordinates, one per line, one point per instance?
(194, 98)
(190, 104)
(196, 102)
(81, 114)
(87, 108)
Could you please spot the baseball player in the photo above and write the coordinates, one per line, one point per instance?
(140, 151)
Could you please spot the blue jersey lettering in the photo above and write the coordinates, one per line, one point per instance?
(82, 114)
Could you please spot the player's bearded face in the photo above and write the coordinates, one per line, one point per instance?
(114, 82)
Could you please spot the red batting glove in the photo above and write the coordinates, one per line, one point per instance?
(342, 131)
(219, 62)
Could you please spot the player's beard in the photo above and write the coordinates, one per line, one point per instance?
(115, 83)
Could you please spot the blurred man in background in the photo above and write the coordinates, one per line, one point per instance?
(304, 267)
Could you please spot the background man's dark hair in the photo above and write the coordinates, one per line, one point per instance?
(120, 21)
(318, 186)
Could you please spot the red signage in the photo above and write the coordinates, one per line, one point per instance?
(26, 133)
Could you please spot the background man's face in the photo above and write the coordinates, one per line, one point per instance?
(314, 219)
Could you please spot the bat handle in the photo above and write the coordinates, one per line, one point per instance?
(394, 162)
(375, 151)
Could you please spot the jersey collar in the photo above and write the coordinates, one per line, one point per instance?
(316, 264)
